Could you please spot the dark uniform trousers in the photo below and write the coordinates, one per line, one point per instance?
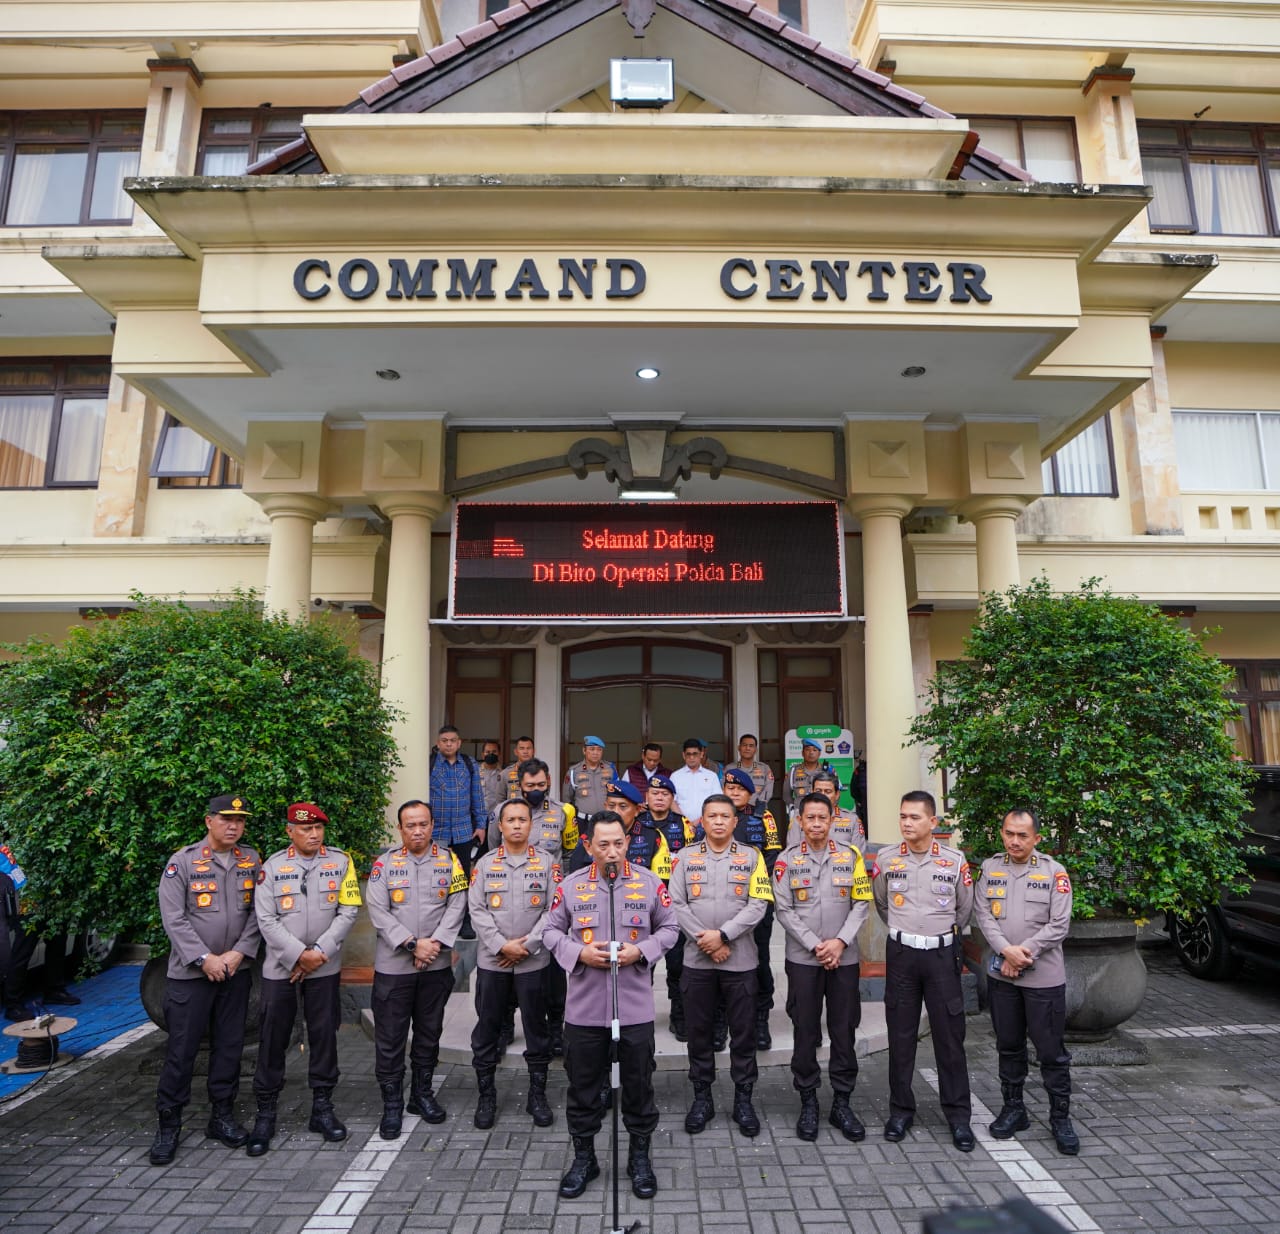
(494, 991)
(675, 967)
(763, 933)
(808, 985)
(1016, 1012)
(192, 1008)
(555, 988)
(586, 1061)
(402, 999)
(279, 1006)
(934, 977)
(701, 988)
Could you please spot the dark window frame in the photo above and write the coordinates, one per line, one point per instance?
(501, 685)
(61, 389)
(217, 471)
(1263, 157)
(976, 123)
(1251, 696)
(256, 138)
(1113, 491)
(93, 145)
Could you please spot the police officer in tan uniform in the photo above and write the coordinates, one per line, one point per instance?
(524, 751)
(846, 826)
(306, 903)
(798, 782)
(586, 781)
(924, 893)
(417, 900)
(510, 895)
(1023, 908)
(206, 904)
(822, 895)
(720, 889)
(761, 774)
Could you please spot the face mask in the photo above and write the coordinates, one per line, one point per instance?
(491, 759)
(535, 797)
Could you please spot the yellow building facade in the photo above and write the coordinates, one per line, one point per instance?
(292, 295)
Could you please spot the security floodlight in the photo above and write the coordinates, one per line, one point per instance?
(642, 83)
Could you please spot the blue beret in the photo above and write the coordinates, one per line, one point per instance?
(740, 777)
(661, 781)
(808, 741)
(588, 740)
(623, 788)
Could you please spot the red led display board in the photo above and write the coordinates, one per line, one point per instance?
(664, 560)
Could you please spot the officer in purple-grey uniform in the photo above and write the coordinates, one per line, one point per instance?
(577, 935)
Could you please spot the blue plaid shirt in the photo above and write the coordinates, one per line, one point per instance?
(457, 800)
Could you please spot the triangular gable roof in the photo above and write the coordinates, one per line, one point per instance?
(473, 54)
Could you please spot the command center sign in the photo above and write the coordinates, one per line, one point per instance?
(668, 560)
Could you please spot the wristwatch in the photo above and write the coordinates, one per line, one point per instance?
(410, 944)
(199, 961)
(724, 938)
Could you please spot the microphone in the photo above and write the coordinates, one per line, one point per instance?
(611, 871)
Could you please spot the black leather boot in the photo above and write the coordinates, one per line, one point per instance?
(585, 1167)
(223, 1126)
(486, 1101)
(1013, 1114)
(537, 1106)
(323, 1118)
(421, 1098)
(807, 1123)
(702, 1111)
(168, 1128)
(1064, 1134)
(676, 1023)
(392, 1109)
(744, 1113)
(264, 1126)
(644, 1183)
(764, 1038)
(845, 1119)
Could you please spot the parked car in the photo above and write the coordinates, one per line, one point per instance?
(1216, 941)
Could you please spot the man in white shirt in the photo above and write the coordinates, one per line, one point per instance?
(694, 782)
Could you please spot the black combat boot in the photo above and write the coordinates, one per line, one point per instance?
(1064, 1134)
(1013, 1114)
(644, 1183)
(392, 1108)
(585, 1167)
(223, 1126)
(264, 1126)
(676, 1023)
(845, 1119)
(323, 1118)
(764, 1038)
(702, 1111)
(168, 1128)
(555, 1035)
(422, 1100)
(487, 1100)
(807, 1123)
(537, 1106)
(744, 1113)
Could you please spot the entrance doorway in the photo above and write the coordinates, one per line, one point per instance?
(631, 691)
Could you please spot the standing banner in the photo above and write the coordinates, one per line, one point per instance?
(837, 754)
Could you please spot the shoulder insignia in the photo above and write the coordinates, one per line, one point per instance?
(779, 869)
(262, 876)
(966, 875)
(376, 872)
(664, 896)
(557, 898)
(171, 871)
(1062, 882)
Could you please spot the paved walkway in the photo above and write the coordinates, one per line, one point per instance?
(1188, 1143)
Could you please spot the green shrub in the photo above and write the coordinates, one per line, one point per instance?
(118, 736)
(1108, 719)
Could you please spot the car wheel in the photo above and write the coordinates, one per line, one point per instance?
(1201, 945)
(99, 949)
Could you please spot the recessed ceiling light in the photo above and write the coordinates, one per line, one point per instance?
(388, 374)
(648, 374)
(647, 494)
(914, 370)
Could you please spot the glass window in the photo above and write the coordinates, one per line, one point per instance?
(1215, 179)
(1223, 450)
(669, 661)
(67, 168)
(1256, 732)
(619, 661)
(51, 424)
(185, 459)
(1084, 466)
(1045, 147)
(232, 141)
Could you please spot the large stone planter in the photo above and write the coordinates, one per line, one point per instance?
(151, 985)
(1106, 978)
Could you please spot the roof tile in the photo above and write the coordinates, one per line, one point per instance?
(384, 85)
(901, 92)
(505, 17)
(476, 33)
(446, 51)
(792, 35)
(771, 21)
(935, 113)
(280, 157)
(876, 79)
(743, 6)
(415, 68)
(836, 57)
(1018, 173)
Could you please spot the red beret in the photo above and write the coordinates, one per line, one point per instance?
(306, 812)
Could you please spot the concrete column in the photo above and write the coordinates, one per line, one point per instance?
(994, 518)
(120, 505)
(406, 643)
(891, 702)
(1150, 452)
(293, 518)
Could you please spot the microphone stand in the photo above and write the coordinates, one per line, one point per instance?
(615, 1038)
